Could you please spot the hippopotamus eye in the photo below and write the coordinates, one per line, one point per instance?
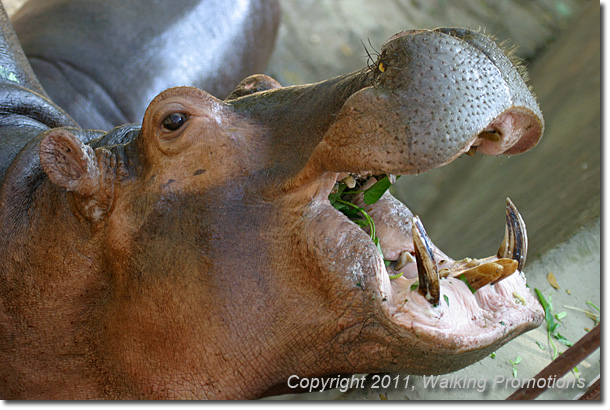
(174, 121)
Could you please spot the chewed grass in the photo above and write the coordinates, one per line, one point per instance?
(341, 197)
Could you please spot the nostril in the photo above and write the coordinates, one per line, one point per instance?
(505, 132)
(531, 133)
(513, 132)
(492, 135)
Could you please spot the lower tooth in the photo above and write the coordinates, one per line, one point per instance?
(484, 274)
(514, 244)
(509, 267)
(472, 263)
(427, 271)
(350, 182)
(404, 259)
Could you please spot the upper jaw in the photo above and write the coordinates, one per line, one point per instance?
(514, 121)
(430, 97)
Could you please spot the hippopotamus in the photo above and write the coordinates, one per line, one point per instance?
(210, 253)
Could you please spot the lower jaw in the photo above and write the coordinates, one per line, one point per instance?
(465, 305)
(422, 259)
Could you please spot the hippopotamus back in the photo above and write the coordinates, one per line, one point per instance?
(105, 80)
(25, 109)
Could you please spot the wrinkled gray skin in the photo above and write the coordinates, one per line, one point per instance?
(206, 261)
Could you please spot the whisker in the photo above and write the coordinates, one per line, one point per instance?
(370, 60)
(373, 47)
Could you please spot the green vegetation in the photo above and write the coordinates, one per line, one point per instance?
(339, 199)
(551, 325)
(515, 363)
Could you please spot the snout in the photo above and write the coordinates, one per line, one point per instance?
(458, 86)
(436, 94)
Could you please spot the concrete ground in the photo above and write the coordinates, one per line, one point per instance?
(555, 186)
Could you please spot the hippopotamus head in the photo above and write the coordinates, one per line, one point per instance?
(213, 253)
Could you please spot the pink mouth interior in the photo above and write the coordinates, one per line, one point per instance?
(462, 320)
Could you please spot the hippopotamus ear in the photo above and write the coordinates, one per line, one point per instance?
(253, 84)
(72, 165)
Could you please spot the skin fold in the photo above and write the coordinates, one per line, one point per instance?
(197, 255)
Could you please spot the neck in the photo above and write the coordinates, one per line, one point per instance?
(45, 298)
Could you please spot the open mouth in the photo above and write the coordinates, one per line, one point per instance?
(430, 97)
(460, 305)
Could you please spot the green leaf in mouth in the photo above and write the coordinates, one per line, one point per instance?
(398, 275)
(376, 191)
(337, 195)
(371, 195)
